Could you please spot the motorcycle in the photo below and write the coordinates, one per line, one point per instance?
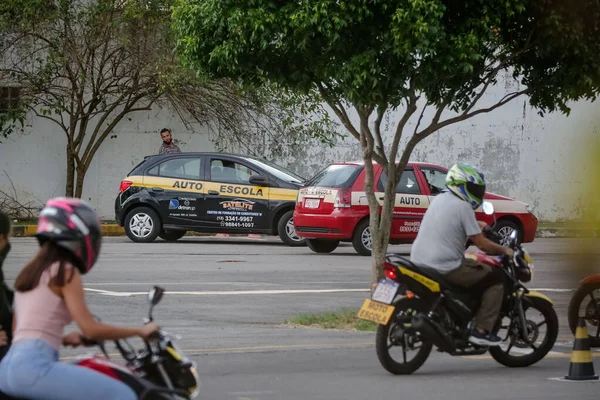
(416, 308)
(591, 309)
(160, 371)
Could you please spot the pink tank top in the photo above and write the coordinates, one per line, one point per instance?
(41, 314)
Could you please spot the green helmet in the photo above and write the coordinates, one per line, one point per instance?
(467, 182)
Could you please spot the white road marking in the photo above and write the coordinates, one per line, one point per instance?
(562, 379)
(191, 283)
(228, 292)
(261, 292)
(250, 393)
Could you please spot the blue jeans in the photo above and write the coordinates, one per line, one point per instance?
(31, 370)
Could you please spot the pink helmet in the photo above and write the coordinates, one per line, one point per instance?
(73, 225)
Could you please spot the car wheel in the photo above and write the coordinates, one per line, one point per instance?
(142, 225)
(505, 228)
(362, 238)
(171, 236)
(322, 245)
(287, 231)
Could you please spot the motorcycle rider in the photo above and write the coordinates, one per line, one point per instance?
(48, 296)
(447, 225)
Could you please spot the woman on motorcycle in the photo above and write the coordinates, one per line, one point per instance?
(48, 296)
(6, 295)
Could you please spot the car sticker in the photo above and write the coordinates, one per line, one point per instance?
(327, 195)
(225, 189)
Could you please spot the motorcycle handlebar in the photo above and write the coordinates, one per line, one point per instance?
(89, 342)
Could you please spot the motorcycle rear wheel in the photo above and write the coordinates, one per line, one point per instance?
(551, 322)
(592, 311)
(403, 313)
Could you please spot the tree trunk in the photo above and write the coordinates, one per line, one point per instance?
(377, 251)
(70, 185)
(81, 171)
(381, 225)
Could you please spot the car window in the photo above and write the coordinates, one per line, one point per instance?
(228, 171)
(336, 176)
(408, 183)
(276, 170)
(182, 168)
(436, 179)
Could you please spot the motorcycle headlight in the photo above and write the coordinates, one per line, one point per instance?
(527, 258)
(525, 267)
(196, 390)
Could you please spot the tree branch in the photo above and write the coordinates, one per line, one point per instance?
(338, 109)
(92, 146)
(435, 125)
(379, 147)
(411, 107)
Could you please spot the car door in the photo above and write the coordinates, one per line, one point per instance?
(176, 184)
(232, 202)
(410, 204)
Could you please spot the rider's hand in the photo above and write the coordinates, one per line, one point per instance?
(3, 338)
(147, 330)
(72, 339)
(508, 251)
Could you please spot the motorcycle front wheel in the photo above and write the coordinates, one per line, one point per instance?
(530, 351)
(397, 334)
(588, 297)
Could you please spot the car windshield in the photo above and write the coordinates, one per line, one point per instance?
(336, 176)
(277, 170)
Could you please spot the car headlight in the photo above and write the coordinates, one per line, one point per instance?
(529, 208)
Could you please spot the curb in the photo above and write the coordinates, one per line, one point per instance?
(116, 230)
(567, 233)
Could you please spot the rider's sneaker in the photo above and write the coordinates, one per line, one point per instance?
(484, 339)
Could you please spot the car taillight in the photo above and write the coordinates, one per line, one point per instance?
(390, 271)
(343, 199)
(125, 185)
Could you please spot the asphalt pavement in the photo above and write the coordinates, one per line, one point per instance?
(227, 298)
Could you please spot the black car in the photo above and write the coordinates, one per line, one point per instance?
(167, 195)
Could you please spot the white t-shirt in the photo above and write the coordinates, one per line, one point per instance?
(446, 227)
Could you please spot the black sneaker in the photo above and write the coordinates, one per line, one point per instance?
(484, 339)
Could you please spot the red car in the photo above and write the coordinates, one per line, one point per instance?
(332, 207)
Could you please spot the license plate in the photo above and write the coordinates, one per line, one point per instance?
(377, 312)
(312, 203)
(385, 291)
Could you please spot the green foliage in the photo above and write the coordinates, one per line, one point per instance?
(10, 121)
(345, 318)
(86, 64)
(373, 52)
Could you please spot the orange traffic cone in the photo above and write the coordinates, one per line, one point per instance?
(582, 366)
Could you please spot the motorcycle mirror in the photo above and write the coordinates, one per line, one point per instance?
(155, 295)
(488, 208)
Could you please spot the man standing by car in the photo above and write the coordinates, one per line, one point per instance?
(168, 146)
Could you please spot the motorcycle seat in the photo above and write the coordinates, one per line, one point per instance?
(430, 273)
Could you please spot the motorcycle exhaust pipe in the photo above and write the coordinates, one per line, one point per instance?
(432, 332)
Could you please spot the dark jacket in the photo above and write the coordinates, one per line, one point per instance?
(6, 305)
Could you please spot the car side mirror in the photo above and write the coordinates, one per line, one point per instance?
(259, 180)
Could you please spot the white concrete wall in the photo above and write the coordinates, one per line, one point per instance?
(524, 155)
(36, 160)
